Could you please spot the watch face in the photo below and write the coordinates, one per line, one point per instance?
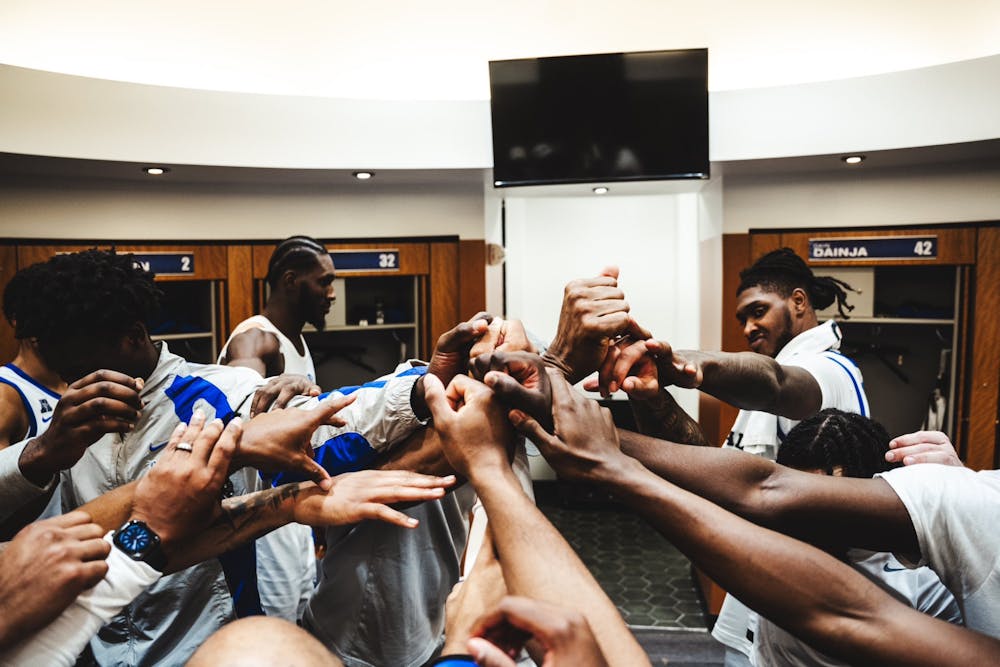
(135, 538)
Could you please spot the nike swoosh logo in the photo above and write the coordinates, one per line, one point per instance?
(156, 448)
(886, 568)
(46, 421)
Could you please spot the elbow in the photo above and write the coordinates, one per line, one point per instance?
(770, 503)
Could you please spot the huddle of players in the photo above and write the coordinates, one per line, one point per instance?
(382, 595)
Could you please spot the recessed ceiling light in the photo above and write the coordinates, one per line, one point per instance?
(155, 171)
(600, 190)
(363, 175)
(853, 159)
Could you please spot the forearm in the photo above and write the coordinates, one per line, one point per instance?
(62, 640)
(663, 418)
(828, 511)
(112, 509)
(812, 595)
(241, 519)
(752, 381)
(728, 477)
(524, 539)
(421, 452)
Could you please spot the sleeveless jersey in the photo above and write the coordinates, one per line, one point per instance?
(39, 401)
(301, 364)
(286, 557)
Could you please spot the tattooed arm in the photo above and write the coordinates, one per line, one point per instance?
(240, 520)
(351, 497)
(662, 418)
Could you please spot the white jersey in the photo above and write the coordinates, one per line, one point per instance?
(39, 401)
(300, 364)
(286, 557)
(919, 588)
(761, 433)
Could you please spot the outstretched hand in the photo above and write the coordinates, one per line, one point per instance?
(564, 635)
(594, 313)
(179, 496)
(280, 440)
(44, 568)
(923, 447)
(519, 380)
(356, 496)
(642, 368)
(280, 390)
(474, 430)
(584, 444)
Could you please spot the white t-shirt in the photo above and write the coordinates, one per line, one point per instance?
(761, 433)
(919, 588)
(954, 512)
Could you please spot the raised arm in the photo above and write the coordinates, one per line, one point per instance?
(812, 595)
(475, 437)
(833, 511)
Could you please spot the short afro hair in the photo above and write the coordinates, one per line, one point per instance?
(782, 271)
(294, 253)
(93, 294)
(19, 295)
(833, 438)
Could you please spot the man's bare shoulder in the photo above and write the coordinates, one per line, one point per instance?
(254, 342)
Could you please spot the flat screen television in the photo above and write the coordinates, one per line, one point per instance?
(600, 118)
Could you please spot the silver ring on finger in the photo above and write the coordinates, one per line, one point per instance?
(185, 447)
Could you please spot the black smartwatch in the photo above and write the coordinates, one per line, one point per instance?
(139, 542)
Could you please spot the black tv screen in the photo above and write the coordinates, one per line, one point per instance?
(600, 118)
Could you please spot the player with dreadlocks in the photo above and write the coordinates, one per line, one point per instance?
(793, 372)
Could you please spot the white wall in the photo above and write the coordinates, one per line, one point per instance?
(863, 198)
(60, 115)
(668, 248)
(102, 210)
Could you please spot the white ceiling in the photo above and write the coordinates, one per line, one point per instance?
(438, 49)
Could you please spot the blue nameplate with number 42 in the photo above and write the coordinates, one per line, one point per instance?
(350, 261)
(873, 248)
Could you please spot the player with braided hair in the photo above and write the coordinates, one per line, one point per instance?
(844, 444)
(300, 275)
(839, 443)
(127, 393)
(793, 371)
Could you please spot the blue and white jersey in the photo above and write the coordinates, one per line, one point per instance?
(167, 623)
(39, 401)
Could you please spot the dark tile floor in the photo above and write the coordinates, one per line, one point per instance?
(646, 577)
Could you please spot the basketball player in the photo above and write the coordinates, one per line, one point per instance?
(300, 276)
(28, 389)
